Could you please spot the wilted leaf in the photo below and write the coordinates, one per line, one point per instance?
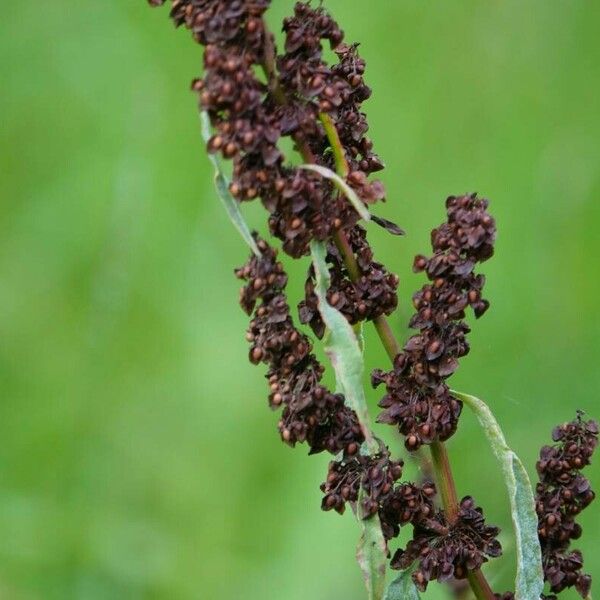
(229, 202)
(530, 578)
(402, 588)
(388, 225)
(352, 196)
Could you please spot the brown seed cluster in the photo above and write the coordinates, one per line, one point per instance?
(311, 413)
(418, 399)
(251, 115)
(230, 23)
(337, 90)
(408, 503)
(375, 475)
(372, 295)
(444, 551)
(562, 493)
(314, 415)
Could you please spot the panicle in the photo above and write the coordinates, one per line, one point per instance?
(311, 413)
(250, 115)
(417, 398)
(444, 551)
(561, 494)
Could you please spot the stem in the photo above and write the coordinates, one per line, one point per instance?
(481, 588)
(341, 164)
(387, 337)
(443, 472)
(439, 454)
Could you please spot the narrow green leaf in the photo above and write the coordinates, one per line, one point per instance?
(371, 553)
(343, 350)
(352, 196)
(342, 346)
(229, 202)
(402, 588)
(530, 578)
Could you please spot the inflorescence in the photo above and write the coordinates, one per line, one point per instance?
(417, 398)
(254, 99)
(562, 493)
(251, 114)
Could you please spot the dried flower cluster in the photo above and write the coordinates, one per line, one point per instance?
(562, 493)
(314, 415)
(311, 413)
(250, 116)
(418, 399)
(371, 295)
(449, 550)
(375, 474)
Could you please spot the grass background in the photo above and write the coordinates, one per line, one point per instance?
(138, 458)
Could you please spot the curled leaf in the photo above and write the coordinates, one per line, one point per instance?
(352, 196)
(530, 576)
(222, 185)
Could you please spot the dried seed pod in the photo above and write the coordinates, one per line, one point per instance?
(375, 475)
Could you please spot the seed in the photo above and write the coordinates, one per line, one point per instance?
(229, 150)
(215, 143)
(352, 448)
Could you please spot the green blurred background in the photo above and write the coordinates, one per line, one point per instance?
(138, 458)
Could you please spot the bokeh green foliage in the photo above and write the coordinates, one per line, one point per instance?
(138, 458)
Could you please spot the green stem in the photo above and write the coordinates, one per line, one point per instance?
(341, 164)
(445, 481)
(481, 588)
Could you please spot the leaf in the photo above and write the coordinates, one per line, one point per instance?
(343, 350)
(530, 577)
(352, 196)
(342, 346)
(229, 202)
(389, 226)
(371, 553)
(402, 588)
